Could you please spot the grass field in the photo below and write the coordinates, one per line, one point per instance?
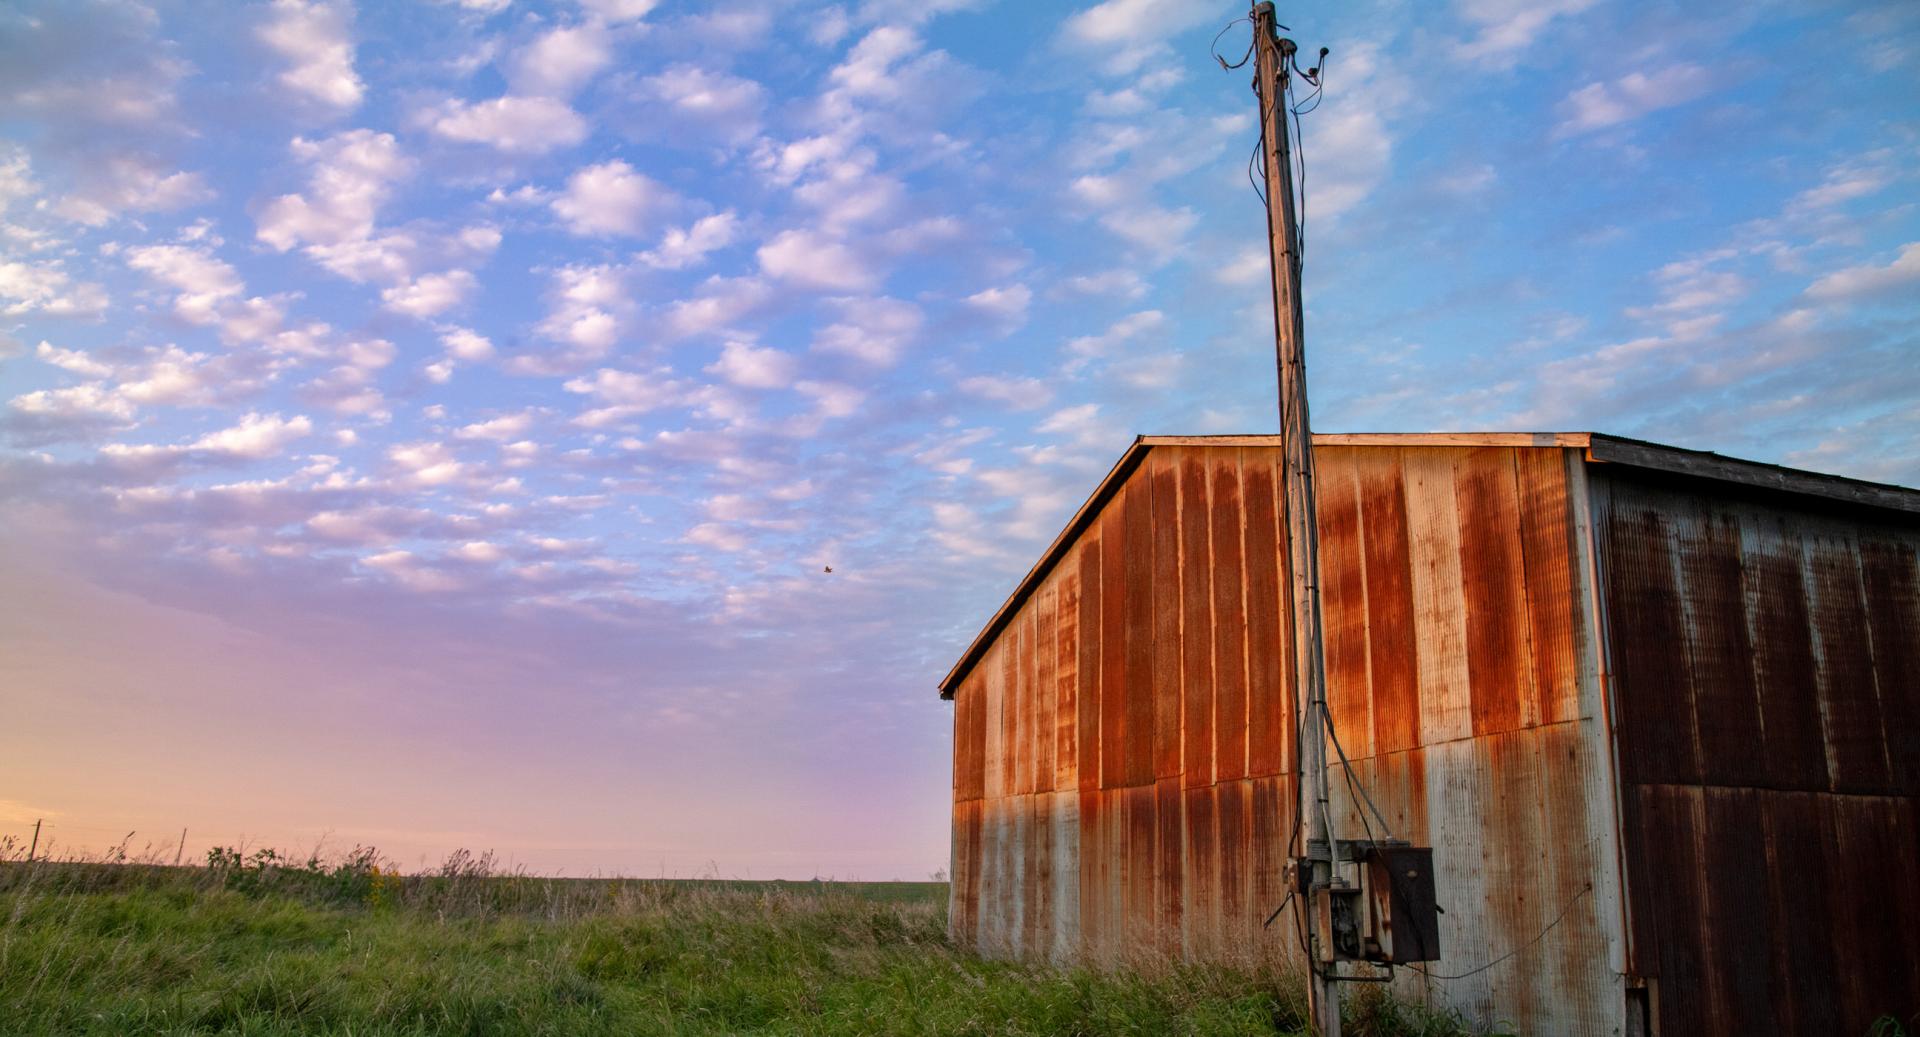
(263, 946)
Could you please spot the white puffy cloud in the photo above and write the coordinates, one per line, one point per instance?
(586, 309)
(352, 174)
(561, 61)
(1015, 392)
(523, 125)
(619, 10)
(624, 394)
(609, 199)
(1597, 106)
(430, 294)
(876, 331)
(202, 280)
(1116, 335)
(500, 429)
(717, 536)
(755, 367)
(1125, 284)
(813, 260)
(1006, 305)
(1128, 32)
(48, 291)
(72, 360)
(679, 249)
(130, 183)
(171, 375)
(1847, 181)
(1869, 280)
(466, 344)
(701, 103)
(832, 399)
(79, 402)
(718, 304)
(315, 38)
(256, 436)
(479, 551)
(1504, 29)
(426, 464)
(349, 387)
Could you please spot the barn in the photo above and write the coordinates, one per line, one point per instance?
(1657, 711)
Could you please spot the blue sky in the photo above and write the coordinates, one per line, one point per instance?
(442, 414)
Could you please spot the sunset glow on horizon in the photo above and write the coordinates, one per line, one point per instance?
(588, 431)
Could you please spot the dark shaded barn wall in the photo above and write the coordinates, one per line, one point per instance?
(1124, 746)
(1766, 667)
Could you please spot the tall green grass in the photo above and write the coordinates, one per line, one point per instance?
(260, 945)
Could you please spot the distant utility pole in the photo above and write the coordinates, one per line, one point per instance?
(177, 854)
(1273, 59)
(36, 840)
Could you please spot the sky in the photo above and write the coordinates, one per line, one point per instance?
(429, 425)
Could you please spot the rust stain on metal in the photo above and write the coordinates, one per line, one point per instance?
(1792, 836)
(1196, 622)
(1123, 753)
(1224, 519)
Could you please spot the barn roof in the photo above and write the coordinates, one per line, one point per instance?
(1600, 448)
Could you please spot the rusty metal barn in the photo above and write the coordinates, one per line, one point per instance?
(1657, 712)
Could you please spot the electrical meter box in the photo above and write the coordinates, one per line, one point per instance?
(1403, 917)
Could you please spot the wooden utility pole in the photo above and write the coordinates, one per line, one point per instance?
(1272, 60)
(36, 840)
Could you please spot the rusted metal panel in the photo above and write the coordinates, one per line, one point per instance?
(1726, 708)
(1393, 643)
(1343, 596)
(1163, 595)
(1876, 896)
(995, 764)
(1803, 971)
(1890, 579)
(1549, 549)
(1168, 710)
(1225, 519)
(1849, 694)
(1197, 682)
(1233, 804)
(1784, 668)
(1020, 695)
(1066, 876)
(1269, 632)
(1170, 868)
(1140, 868)
(1649, 638)
(1114, 642)
(1045, 686)
(1437, 586)
(1066, 752)
(1499, 658)
(1087, 695)
(1736, 887)
(1137, 746)
(1200, 895)
(1774, 880)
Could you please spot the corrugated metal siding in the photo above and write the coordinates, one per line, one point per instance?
(1121, 759)
(1464, 681)
(1766, 660)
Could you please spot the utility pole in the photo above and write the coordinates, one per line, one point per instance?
(181, 852)
(36, 840)
(1273, 60)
